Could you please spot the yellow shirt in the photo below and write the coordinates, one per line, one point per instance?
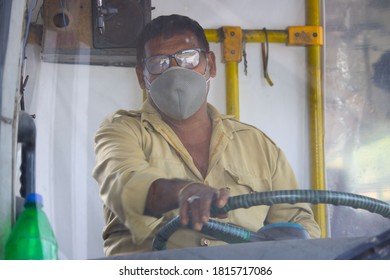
(135, 148)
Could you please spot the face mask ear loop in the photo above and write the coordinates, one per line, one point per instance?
(205, 73)
(207, 70)
(147, 82)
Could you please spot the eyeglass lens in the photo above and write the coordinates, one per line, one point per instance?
(186, 58)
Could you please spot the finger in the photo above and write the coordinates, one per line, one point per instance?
(194, 204)
(184, 209)
(222, 197)
(222, 216)
(204, 209)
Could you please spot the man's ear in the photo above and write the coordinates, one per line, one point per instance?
(212, 64)
(140, 75)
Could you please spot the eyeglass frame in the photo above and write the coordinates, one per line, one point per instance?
(170, 56)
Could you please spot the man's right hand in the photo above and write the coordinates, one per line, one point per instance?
(195, 202)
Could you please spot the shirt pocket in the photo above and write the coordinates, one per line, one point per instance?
(242, 182)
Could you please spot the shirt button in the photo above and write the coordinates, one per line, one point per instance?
(204, 242)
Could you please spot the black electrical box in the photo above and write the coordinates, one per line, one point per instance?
(95, 32)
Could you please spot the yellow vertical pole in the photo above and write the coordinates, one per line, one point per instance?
(232, 54)
(232, 91)
(313, 18)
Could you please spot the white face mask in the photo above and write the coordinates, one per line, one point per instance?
(179, 92)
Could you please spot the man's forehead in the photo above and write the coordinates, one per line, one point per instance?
(185, 37)
(172, 41)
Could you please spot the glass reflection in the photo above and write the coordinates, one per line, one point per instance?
(357, 113)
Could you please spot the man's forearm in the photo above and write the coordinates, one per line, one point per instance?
(163, 196)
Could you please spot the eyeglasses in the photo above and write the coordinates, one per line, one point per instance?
(185, 58)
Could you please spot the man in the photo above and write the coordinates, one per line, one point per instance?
(178, 155)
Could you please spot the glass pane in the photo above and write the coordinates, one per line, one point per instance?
(80, 70)
(357, 71)
(70, 95)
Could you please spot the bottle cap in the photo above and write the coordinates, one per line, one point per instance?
(34, 198)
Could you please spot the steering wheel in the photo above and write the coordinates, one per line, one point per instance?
(234, 234)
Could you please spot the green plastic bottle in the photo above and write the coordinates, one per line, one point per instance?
(32, 237)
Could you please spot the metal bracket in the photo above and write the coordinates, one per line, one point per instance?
(305, 35)
(103, 12)
(232, 44)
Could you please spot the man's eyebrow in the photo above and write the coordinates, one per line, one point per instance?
(168, 54)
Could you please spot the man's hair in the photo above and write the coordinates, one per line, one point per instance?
(166, 27)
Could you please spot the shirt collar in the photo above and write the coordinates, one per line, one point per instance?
(151, 117)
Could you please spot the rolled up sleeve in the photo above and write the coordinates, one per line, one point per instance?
(124, 175)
